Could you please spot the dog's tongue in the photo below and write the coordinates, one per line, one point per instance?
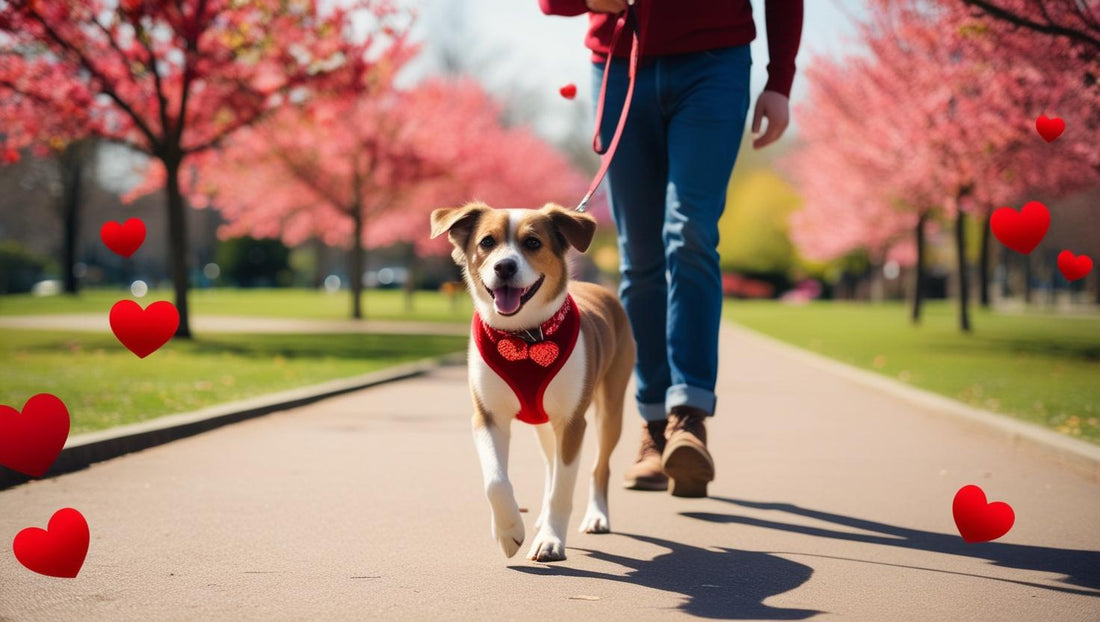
(507, 299)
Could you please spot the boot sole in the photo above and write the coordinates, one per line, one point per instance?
(689, 469)
(645, 484)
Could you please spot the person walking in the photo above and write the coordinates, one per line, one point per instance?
(667, 188)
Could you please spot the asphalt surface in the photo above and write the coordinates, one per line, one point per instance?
(833, 501)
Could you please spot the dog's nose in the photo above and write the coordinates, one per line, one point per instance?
(505, 268)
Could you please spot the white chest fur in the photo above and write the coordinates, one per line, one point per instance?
(560, 400)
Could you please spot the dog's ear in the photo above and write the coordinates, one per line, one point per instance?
(576, 227)
(458, 223)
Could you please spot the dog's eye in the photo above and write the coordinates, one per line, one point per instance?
(487, 242)
(532, 243)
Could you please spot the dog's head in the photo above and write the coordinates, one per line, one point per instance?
(514, 259)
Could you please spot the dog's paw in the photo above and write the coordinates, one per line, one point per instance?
(595, 521)
(547, 548)
(509, 534)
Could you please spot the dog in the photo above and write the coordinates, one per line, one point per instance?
(542, 349)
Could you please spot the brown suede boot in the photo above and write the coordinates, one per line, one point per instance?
(685, 459)
(645, 473)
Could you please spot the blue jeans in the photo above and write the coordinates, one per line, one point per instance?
(667, 187)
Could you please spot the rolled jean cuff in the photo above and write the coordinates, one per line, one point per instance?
(653, 412)
(685, 395)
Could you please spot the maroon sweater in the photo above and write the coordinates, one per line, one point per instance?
(681, 26)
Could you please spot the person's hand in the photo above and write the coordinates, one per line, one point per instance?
(606, 6)
(776, 108)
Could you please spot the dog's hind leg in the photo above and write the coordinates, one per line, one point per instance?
(608, 399)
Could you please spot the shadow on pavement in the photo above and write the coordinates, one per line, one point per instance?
(1081, 568)
(725, 584)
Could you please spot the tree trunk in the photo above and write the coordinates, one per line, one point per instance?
(71, 162)
(964, 280)
(410, 278)
(1027, 279)
(177, 242)
(983, 269)
(918, 271)
(319, 261)
(357, 263)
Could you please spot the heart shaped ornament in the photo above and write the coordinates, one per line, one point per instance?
(569, 91)
(30, 441)
(1021, 231)
(1049, 128)
(125, 238)
(59, 549)
(544, 353)
(144, 331)
(977, 520)
(1074, 267)
(512, 348)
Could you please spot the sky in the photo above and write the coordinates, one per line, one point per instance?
(516, 47)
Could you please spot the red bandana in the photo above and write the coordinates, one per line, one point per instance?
(529, 368)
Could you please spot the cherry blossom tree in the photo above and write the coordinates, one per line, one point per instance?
(174, 79)
(938, 120)
(360, 172)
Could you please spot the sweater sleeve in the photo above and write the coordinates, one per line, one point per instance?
(784, 24)
(567, 8)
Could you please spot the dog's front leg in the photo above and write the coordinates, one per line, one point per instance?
(491, 441)
(549, 543)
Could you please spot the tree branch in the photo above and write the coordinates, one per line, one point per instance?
(1049, 28)
(108, 90)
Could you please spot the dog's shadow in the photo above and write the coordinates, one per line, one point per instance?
(731, 584)
(719, 583)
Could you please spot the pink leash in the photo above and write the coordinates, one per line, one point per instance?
(628, 17)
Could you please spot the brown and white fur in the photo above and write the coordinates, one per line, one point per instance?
(597, 370)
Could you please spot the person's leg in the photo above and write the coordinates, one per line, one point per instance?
(707, 96)
(636, 182)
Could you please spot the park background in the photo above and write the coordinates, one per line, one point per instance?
(316, 143)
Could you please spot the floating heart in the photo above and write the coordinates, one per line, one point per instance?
(977, 520)
(512, 349)
(544, 353)
(1074, 267)
(57, 551)
(31, 441)
(1050, 128)
(144, 331)
(123, 239)
(1021, 231)
(569, 91)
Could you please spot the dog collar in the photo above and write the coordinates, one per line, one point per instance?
(526, 362)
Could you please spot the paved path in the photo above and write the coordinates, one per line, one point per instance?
(832, 502)
(98, 322)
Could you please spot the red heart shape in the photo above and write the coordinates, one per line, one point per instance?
(512, 349)
(123, 239)
(544, 353)
(1021, 231)
(31, 441)
(1050, 129)
(1074, 267)
(977, 520)
(57, 551)
(569, 91)
(144, 331)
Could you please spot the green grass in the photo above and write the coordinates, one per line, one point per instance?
(1039, 368)
(387, 304)
(104, 385)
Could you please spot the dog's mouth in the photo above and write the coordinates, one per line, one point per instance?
(509, 300)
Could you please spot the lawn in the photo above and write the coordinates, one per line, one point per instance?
(379, 304)
(104, 385)
(1039, 368)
